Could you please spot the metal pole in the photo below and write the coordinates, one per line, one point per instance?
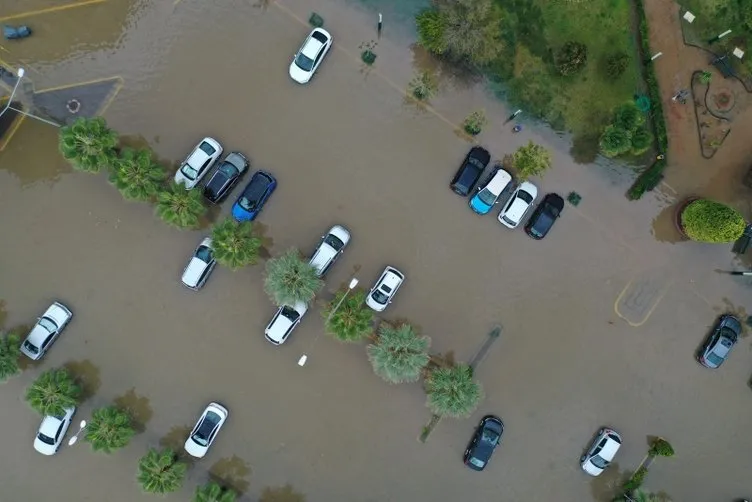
(73, 439)
(13, 92)
(35, 117)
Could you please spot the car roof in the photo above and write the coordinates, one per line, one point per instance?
(37, 335)
(518, 207)
(49, 426)
(323, 255)
(312, 47)
(609, 449)
(554, 200)
(198, 156)
(499, 181)
(341, 233)
(480, 153)
(391, 277)
(277, 331)
(193, 271)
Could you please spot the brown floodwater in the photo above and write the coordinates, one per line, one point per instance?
(349, 149)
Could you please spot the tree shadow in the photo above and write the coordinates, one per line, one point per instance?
(86, 375)
(3, 314)
(281, 494)
(138, 407)
(609, 484)
(267, 243)
(448, 74)
(231, 472)
(175, 438)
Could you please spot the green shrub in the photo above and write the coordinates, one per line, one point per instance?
(473, 123)
(709, 221)
(423, 86)
(648, 180)
(571, 58)
(616, 65)
(641, 140)
(615, 141)
(661, 448)
(628, 117)
(431, 24)
(636, 480)
(705, 77)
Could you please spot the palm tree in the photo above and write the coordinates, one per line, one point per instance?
(110, 428)
(452, 391)
(214, 492)
(352, 321)
(53, 392)
(88, 144)
(234, 244)
(160, 471)
(399, 355)
(180, 207)
(290, 279)
(136, 174)
(640, 495)
(9, 354)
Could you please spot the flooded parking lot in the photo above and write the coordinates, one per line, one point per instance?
(350, 149)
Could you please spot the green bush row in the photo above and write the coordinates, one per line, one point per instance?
(650, 178)
(636, 480)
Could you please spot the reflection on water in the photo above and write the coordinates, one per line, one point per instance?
(137, 406)
(175, 439)
(86, 375)
(3, 314)
(32, 154)
(281, 494)
(608, 485)
(232, 472)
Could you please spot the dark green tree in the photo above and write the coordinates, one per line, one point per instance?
(571, 58)
(399, 354)
(615, 141)
(160, 471)
(291, 279)
(10, 344)
(109, 429)
(136, 174)
(452, 391)
(235, 244)
(179, 207)
(214, 492)
(52, 392)
(352, 321)
(88, 144)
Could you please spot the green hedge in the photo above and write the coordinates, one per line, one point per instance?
(650, 178)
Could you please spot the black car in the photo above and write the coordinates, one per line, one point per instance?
(718, 345)
(470, 170)
(484, 442)
(226, 176)
(545, 216)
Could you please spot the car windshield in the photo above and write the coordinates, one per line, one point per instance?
(508, 220)
(290, 313)
(228, 170)
(715, 359)
(728, 333)
(334, 242)
(475, 162)
(489, 436)
(525, 196)
(207, 148)
(188, 171)
(599, 462)
(31, 347)
(46, 439)
(487, 197)
(379, 297)
(247, 204)
(304, 62)
(204, 254)
(477, 462)
(207, 426)
(48, 324)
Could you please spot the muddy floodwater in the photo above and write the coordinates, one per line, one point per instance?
(600, 320)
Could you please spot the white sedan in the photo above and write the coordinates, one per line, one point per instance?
(52, 431)
(519, 203)
(385, 288)
(198, 163)
(601, 452)
(46, 331)
(284, 321)
(200, 267)
(205, 431)
(330, 247)
(307, 60)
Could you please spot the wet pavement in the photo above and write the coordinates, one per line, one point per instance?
(600, 319)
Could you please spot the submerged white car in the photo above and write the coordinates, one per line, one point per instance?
(52, 432)
(284, 321)
(519, 203)
(331, 246)
(205, 431)
(386, 287)
(200, 267)
(601, 452)
(308, 58)
(198, 163)
(46, 331)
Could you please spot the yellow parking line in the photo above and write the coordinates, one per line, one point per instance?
(112, 96)
(12, 132)
(176, 2)
(652, 308)
(48, 10)
(78, 84)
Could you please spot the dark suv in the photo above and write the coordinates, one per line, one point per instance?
(469, 172)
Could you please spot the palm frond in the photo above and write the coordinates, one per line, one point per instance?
(235, 244)
(452, 391)
(290, 279)
(400, 354)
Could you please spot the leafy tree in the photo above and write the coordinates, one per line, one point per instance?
(136, 174)
(661, 448)
(88, 144)
(628, 117)
(352, 321)
(531, 160)
(452, 391)
(705, 77)
(641, 140)
(616, 65)
(639, 495)
(423, 86)
(180, 207)
(290, 279)
(234, 243)
(52, 392)
(463, 30)
(10, 344)
(160, 471)
(571, 58)
(615, 141)
(473, 123)
(214, 492)
(399, 354)
(109, 429)
(709, 221)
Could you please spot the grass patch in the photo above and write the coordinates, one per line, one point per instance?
(583, 102)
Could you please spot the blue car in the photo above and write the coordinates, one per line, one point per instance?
(488, 195)
(254, 196)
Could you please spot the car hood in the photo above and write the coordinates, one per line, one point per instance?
(298, 74)
(478, 206)
(42, 447)
(241, 214)
(37, 335)
(57, 314)
(193, 271)
(194, 449)
(591, 469)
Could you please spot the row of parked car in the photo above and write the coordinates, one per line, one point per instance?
(487, 195)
